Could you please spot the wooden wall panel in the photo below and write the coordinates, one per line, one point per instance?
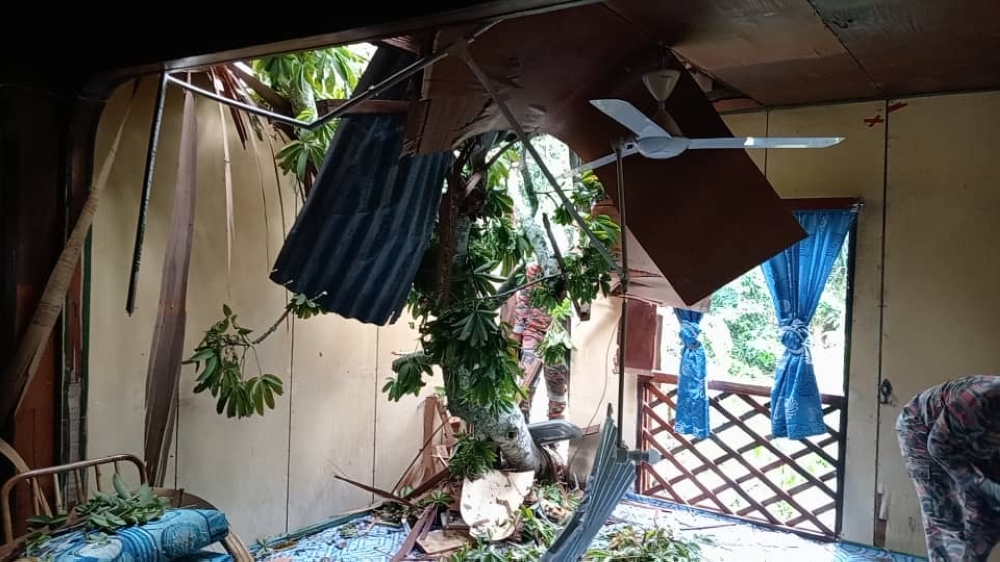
(642, 328)
(399, 426)
(942, 315)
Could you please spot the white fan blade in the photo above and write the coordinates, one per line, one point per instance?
(626, 114)
(766, 142)
(602, 161)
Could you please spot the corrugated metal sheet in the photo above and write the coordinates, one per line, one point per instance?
(357, 243)
(611, 476)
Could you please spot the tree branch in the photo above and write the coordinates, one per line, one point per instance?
(273, 327)
(525, 286)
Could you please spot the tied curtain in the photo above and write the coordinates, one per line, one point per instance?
(692, 398)
(796, 278)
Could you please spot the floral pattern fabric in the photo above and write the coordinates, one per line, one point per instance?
(179, 533)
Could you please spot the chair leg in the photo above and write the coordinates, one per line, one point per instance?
(236, 548)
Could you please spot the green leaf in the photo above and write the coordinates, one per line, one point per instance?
(274, 383)
(220, 406)
(258, 400)
(232, 405)
(226, 311)
(145, 494)
(211, 364)
(200, 355)
(120, 488)
(301, 162)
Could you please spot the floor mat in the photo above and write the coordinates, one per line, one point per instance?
(735, 539)
(361, 538)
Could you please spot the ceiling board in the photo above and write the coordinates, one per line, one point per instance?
(920, 46)
(775, 51)
(798, 81)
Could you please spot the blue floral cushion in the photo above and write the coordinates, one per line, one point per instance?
(179, 533)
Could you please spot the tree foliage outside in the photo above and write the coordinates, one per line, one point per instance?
(741, 338)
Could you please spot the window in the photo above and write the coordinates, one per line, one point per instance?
(740, 331)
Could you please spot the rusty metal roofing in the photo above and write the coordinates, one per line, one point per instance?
(357, 243)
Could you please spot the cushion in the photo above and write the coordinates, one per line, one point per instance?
(179, 533)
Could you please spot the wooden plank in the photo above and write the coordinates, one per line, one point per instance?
(167, 347)
(431, 482)
(377, 491)
(423, 523)
(641, 343)
(738, 388)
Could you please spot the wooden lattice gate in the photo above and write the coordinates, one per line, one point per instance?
(739, 470)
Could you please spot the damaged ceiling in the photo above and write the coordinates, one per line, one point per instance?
(707, 216)
(704, 217)
(779, 52)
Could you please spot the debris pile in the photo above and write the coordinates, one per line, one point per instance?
(436, 527)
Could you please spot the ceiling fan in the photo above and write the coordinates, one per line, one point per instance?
(661, 138)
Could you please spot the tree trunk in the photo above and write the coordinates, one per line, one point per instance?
(302, 99)
(527, 208)
(509, 430)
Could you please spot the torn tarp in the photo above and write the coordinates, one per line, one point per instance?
(357, 243)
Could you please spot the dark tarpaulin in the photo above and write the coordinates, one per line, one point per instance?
(357, 243)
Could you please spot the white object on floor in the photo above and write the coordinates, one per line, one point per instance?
(489, 504)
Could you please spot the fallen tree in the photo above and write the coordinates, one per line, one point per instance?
(455, 301)
(483, 241)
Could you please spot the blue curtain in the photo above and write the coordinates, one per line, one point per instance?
(796, 278)
(692, 399)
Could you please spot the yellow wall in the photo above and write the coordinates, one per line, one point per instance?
(268, 474)
(931, 168)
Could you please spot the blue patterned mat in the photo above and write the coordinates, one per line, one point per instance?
(735, 539)
(362, 539)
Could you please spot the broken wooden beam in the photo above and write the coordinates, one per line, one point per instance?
(423, 523)
(277, 102)
(378, 492)
(433, 481)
